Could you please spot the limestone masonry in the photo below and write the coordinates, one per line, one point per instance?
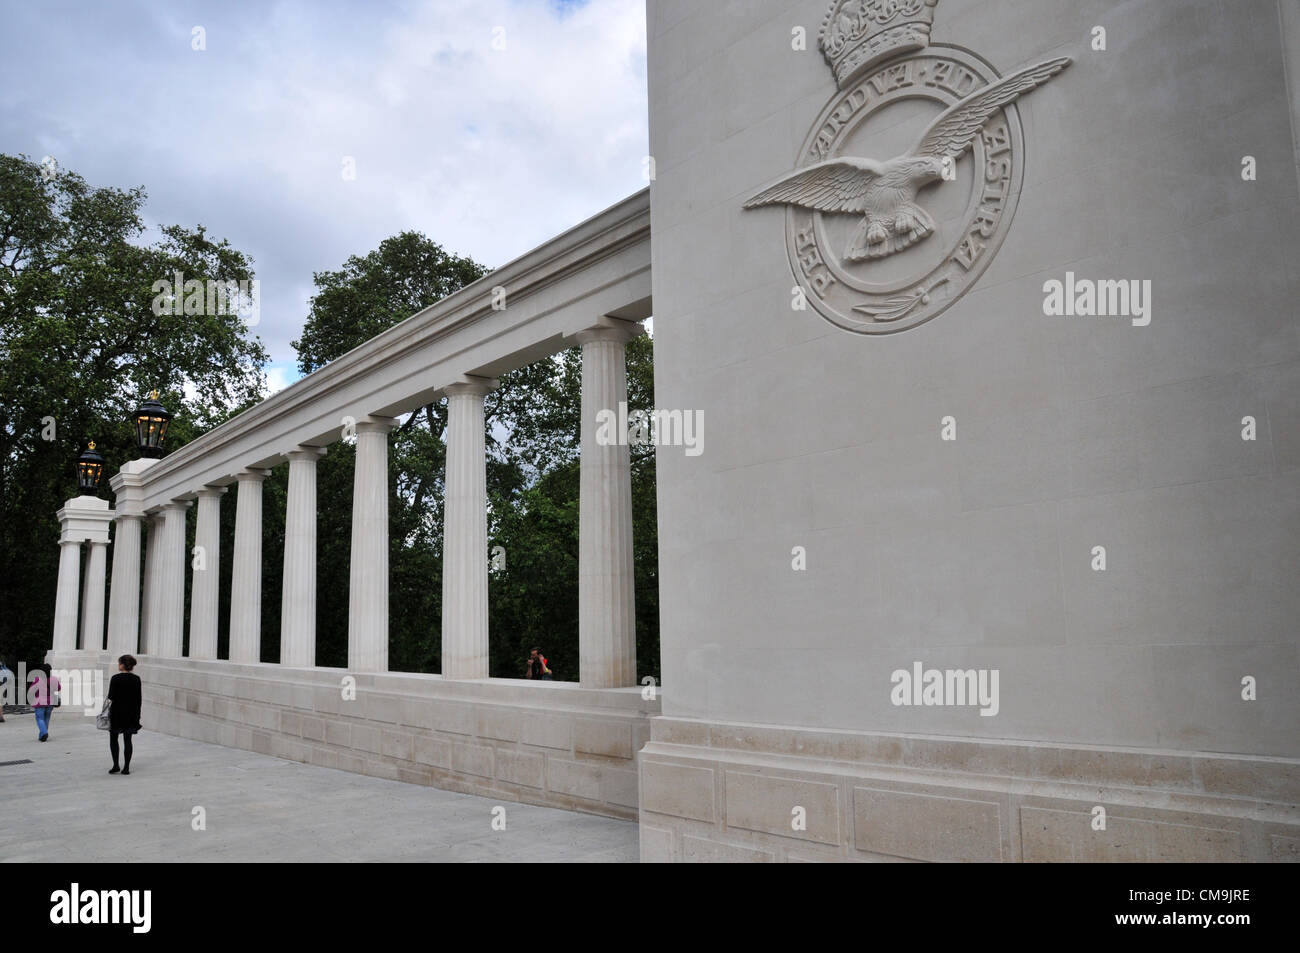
(991, 551)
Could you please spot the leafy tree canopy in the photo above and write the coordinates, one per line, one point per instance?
(80, 345)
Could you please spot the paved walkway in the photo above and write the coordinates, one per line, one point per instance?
(64, 806)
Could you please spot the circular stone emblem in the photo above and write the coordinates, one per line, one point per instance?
(894, 211)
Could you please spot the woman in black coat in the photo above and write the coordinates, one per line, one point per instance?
(124, 713)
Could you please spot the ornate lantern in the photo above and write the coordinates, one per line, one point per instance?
(151, 422)
(90, 470)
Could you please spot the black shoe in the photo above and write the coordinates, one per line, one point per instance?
(45, 737)
(126, 770)
(114, 770)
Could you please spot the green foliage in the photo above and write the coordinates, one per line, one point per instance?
(80, 344)
(371, 293)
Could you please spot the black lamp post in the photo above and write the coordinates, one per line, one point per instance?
(151, 422)
(90, 470)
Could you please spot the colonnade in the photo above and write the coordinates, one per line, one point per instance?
(146, 611)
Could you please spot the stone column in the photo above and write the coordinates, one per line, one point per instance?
(464, 548)
(124, 602)
(298, 609)
(125, 629)
(207, 580)
(152, 584)
(246, 570)
(92, 598)
(65, 599)
(368, 583)
(83, 519)
(606, 607)
(170, 626)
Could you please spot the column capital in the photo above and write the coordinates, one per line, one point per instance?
(84, 518)
(610, 329)
(128, 487)
(473, 386)
(370, 424)
(211, 492)
(307, 453)
(129, 474)
(252, 475)
(174, 505)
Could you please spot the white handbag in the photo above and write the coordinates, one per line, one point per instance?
(101, 720)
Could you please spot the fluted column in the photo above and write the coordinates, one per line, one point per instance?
(170, 627)
(246, 570)
(606, 607)
(152, 586)
(65, 598)
(368, 580)
(464, 548)
(124, 602)
(206, 580)
(126, 625)
(298, 608)
(92, 597)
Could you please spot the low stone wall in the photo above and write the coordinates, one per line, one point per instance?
(728, 792)
(549, 743)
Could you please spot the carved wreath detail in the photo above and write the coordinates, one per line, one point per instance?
(900, 306)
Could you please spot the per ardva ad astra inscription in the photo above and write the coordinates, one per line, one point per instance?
(894, 211)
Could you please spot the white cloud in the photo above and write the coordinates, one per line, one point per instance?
(489, 152)
(278, 378)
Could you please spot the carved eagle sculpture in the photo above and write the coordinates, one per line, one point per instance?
(884, 193)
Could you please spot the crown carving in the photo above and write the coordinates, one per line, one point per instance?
(858, 34)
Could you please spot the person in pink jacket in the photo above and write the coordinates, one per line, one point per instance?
(43, 691)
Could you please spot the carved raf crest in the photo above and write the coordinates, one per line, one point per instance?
(856, 226)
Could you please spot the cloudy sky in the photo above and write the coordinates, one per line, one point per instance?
(488, 125)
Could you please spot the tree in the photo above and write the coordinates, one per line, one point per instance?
(80, 345)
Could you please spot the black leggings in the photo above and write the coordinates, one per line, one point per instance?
(112, 745)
